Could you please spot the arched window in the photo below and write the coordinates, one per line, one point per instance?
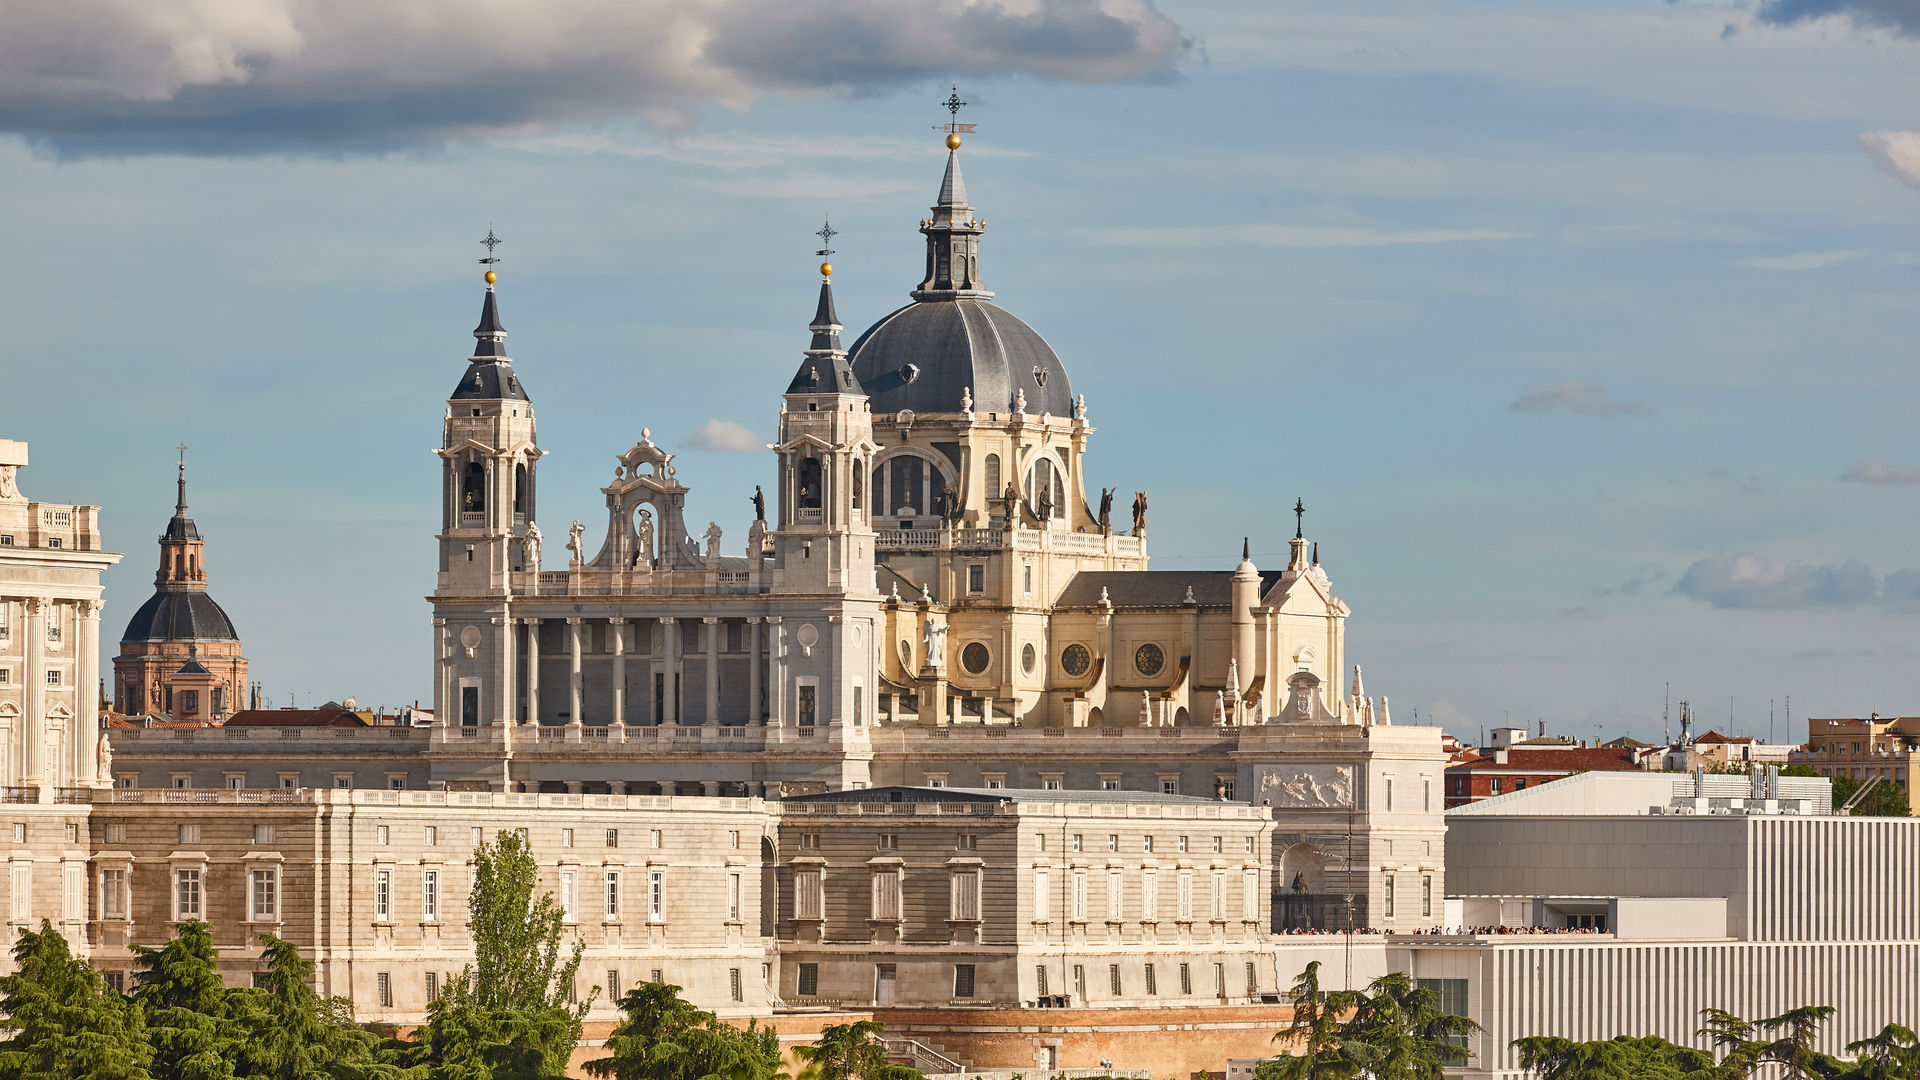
(809, 486)
(1046, 494)
(1059, 496)
(993, 476)
(859, 485)
(473, 488)
(520, 488)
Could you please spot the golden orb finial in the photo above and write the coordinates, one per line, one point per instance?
(826, 269)
(492, 277)
(953, 140)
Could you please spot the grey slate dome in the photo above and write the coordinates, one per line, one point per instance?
(489, 374)
(180, 615)
(923, 356)
(927, 355)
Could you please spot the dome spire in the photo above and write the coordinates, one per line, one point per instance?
(181, 527)
(953, 236)
(489, 370)
(825, 369)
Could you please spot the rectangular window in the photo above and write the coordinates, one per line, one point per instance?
(186, 894)
(976, 578)
(1389, 794)
(656, 896)
(1040, 979)
(1076, 842)
(809, 980)
(1113, 979)
(613, 837)
(113, 894)
(1453, 1002)
(613, 985)
(888, 842)
(1217, 848)
(1387, 897)
(478, 836)
(116, 980)
(188, 834)
(1153, 986)
(383, 988)
(1426, 794)
(116, 834)
(1248, 845)
(1146, 844)
(1042, 893)
(381, 835)
(1113, 894)
(1079, 982)
(806, 894)
(569, 896)
(236, 782)
(429, 894)
(1426, 896)
(1250, 893)
(1029, 578)
(1149, 893)
(1227, 790)
(613, 895)
(20, 832)
(53, 678)
(1181, 846)
(1493, 786)
(1185, 909)
(963, 980)
(808, 710)
(734, 987)
(382, 895)
(654, 839)
(266, 898)
(1217, 895)
(654, 976)
(1113, 842)
(1079, 896)
(1253, 980)
(1219, 980)
(566, 837)
(1169, 787)
(886, 894)
(733, 897)
(263, 834)
(966, 841)
(433, 986)
(469, 706)
(1186, 980)
(964, 903)
(733, 838)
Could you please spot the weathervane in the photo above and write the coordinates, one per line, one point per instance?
(826, 232)
(953, 127)
(491, 242)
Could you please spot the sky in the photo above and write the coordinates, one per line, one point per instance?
(1585, 329)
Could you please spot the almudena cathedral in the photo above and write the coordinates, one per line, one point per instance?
(930, 744)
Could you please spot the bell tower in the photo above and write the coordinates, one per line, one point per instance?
(823, 539)
(489, 459)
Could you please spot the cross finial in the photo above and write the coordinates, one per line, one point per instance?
(1299, 520)
(182, 448)
(953, 126)
(826, 233)
(491, 242)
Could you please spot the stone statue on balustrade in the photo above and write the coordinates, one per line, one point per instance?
(712, 537)
(531, 546)
(575, 546)
(933, 638)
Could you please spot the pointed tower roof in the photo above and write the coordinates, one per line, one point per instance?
(952, 206)
(489, 375)
(180, 526)
(825, 369)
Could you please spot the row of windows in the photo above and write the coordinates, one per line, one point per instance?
(614, 987)
(885, 975)
(1077, 842)
(1389, 899)
(1076, 886)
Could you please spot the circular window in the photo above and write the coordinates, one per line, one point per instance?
(1026, 658)
(1074, 660)
(906, 655)
(1148, 659)
(975, 657)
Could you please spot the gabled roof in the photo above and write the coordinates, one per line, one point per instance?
(1155, 588)
(335, 717)
(1716, 737)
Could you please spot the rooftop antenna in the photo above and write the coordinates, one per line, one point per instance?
(1769, 720)
(1666, 723)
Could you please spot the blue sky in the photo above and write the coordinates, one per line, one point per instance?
(1586, 331)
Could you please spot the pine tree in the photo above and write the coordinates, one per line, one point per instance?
(665, 1038)
(186, 1007)
(64, 1019)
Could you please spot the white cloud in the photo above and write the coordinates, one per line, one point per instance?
(1878, 471)
(1576, 396)
(1896, 152)
(1799, 260)
(726, 435)
(1288, 236)
(1758, 581)
(246, 76)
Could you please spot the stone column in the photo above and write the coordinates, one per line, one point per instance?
(33, 720)
(753, 671)
(574, 718)
(86, 741)
(445, 708)
(508, 695)
(776, 684)
(618, 627)
(710, 788)
(533, 670)
(713, 670)
(669, 667)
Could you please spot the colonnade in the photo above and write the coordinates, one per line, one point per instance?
(764, 650)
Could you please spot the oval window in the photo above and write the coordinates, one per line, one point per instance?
(906, 656)
(1026, 658)
(1148, 659)
(1074, 660)
(975, 657)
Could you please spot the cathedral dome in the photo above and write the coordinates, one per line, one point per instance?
(926, 355)
(180, 615)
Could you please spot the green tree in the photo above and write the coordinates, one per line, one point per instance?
(1793, 1033)
(1624, 1058)
(511, 1013)
(65, 1022)
(852, 1052)
(665, 1038)
(302, 1036)
(1399, 1032)
(1893, 1054)
(1885, 800)
(188, 1011)
(1315, 1033)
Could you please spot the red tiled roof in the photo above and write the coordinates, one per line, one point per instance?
(295, 718)
(1716, 737)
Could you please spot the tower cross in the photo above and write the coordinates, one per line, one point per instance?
(826, 233)
(182, 448)
(491, 242)
(1299, 520)
(953, 105)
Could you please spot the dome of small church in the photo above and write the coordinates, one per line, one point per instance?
(178, 615)
(926, 355)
